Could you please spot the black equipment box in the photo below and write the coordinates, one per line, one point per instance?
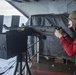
(12, 43)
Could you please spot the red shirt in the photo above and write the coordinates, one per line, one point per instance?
(69, 45)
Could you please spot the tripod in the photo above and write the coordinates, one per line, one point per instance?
(20, 45)
(19, 60)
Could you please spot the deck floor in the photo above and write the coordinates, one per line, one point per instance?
(50, 67)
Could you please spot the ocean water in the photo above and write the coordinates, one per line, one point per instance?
(7, 21)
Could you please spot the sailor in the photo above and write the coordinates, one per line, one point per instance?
(67, 42)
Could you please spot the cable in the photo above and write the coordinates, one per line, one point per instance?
(29, 55)
(33, 44)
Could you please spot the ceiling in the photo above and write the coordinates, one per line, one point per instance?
(33, 7)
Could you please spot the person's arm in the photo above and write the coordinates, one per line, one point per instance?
(69, 39)
(66, 36)
(69, 45)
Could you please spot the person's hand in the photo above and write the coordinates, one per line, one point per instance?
(63, 32)
(58, 33)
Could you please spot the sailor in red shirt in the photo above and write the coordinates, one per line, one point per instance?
(68, 43)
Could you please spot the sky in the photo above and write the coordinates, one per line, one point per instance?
(7, 9)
